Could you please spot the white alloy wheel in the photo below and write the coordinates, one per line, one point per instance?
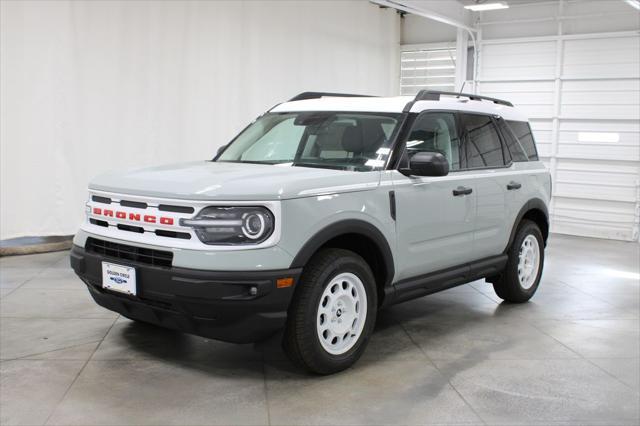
(528, 261)
(342, 312)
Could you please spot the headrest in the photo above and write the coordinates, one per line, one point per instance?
(352, 139)
(366, 138)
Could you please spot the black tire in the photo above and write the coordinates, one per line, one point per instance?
(507, 286)
(301, 342)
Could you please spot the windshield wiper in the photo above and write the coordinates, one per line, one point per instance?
(320, 165)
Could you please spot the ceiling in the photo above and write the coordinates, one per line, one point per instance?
(510, 2)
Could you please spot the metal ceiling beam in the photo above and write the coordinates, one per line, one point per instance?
(425, 13)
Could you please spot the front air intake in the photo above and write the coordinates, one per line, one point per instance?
(129, 253)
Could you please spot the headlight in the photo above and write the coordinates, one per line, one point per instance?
(232, 225)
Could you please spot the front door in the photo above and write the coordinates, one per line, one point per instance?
(435, 216)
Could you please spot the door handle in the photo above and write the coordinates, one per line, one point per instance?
(514, 185)
(462, 190)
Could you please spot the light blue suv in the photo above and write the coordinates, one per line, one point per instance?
(322, 211)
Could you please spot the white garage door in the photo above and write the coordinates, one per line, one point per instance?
(582, 93)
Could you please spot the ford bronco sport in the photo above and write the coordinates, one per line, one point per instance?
(325, 209)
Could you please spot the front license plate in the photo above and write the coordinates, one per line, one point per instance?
(119, 278)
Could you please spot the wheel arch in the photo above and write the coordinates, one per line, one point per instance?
(535, 210)
(360, 237)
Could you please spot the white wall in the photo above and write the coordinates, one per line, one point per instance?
(92, 86)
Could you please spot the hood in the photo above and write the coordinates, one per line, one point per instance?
(206, 180)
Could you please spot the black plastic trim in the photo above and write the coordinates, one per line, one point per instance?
(349, 226)
(434, 95)
(99, 199)
(533, 204)
(134, 204)
(433, 282)
(175, 209)
(392, 204)
(233, 306)
(315, 95)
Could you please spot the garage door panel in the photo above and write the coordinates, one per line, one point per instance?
(594, 218)
(611, 112)
(518, 72)
(542, 136)
(579, 47)
(611, 70)
(544, 149)
(524, 98)
(600, 85)
(598, 151)
(533, 48)
(515, 87)
(629, 126)
(611, 57)
(542, 132)
(601, 211)
(602, 140)
(620, 97)
(596, 178)
(596, 191)
(518, 60)
(536, 111)
(603, 166)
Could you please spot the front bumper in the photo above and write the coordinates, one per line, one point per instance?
(217, 305)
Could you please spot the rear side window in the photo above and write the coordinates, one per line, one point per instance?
(482, 146)
(516, 150)
(522, 131)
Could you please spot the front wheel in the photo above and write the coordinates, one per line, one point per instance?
(332, 313)
(521, 277)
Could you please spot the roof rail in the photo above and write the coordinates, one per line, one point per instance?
(434, 95)
(315, 95)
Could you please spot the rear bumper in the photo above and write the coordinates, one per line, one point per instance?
(217, 305)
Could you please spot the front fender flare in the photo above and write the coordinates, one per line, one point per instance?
(348, 226)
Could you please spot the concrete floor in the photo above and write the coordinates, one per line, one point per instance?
(570, 356)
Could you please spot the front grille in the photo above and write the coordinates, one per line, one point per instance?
(176, 209)
(130, 253)
(135, 204)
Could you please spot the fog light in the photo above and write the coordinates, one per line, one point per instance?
(253, 291)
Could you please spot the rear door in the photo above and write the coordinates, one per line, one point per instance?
(434, 215)
(484, 159)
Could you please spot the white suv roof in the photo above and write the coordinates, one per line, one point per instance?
(398, 103)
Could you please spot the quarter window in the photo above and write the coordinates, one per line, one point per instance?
(482, 147)
(436, 132)
(522, 131)
(516, 150)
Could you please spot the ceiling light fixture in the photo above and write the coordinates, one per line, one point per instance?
(633, 3)
(481, 7)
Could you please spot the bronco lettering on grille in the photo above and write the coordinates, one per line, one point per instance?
(135, 217)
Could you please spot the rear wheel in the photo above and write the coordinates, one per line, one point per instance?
(332, 313)
(521, 277)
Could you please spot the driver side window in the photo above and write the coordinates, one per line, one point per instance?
(436, 132)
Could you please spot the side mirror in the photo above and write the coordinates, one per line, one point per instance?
(427, 164)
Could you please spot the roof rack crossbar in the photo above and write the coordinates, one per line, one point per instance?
(315, 95)
(434, 95)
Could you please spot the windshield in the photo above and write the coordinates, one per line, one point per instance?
(337, 140)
